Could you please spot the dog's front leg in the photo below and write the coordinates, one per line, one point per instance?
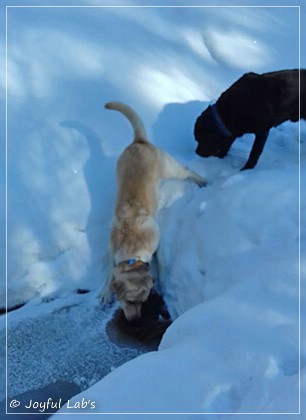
(106, 294)
(259, 143)
(171, 169)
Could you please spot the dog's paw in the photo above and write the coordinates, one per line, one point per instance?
(197, 179)
(106, 297)
(201, 183)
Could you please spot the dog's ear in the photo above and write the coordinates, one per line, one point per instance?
(117, 283)
(117, 286)
(150, 281)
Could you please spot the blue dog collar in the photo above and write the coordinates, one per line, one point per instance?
(218, 121)
(133, 263)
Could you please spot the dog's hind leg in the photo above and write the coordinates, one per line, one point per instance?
(171, 169)
(259, 143)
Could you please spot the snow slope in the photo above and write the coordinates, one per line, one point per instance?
(228, 254)
(239, 350)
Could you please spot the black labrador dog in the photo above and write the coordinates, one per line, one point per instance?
(253, 104)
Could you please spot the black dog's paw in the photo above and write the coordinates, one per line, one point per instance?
(246, 167)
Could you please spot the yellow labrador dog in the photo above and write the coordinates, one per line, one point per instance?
(134, 232)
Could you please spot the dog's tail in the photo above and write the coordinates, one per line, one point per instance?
(140, 134)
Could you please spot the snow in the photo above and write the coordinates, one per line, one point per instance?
(229, 253)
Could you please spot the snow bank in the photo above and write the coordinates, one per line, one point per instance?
(233, 245)
(63, 65)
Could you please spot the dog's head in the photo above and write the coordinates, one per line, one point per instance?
(211, 135)
(132, 287)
